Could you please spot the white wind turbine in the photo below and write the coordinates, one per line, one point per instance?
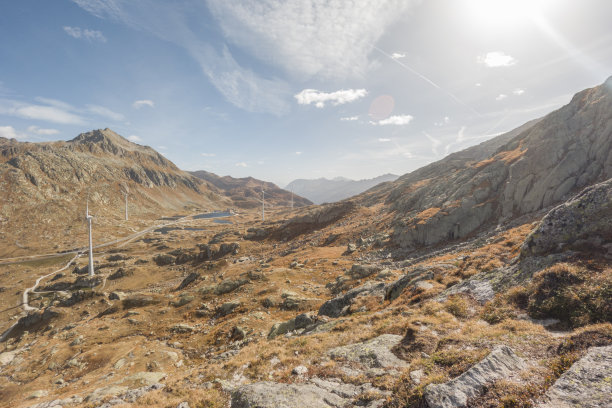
(89, 218)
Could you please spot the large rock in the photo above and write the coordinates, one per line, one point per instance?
(339, 305)
(359, 271)
(394, 289)
(500, 363)
(276, 395)
(584, 222)
(587, 384)
(299, 322)
(374, 353)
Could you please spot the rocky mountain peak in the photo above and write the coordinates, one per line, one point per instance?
(107, 140)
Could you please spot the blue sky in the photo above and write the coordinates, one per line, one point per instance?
(281, 90)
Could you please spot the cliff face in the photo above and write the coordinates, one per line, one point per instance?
(533, 167)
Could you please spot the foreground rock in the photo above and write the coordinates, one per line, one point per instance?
(275, 395)
(586, 384)
(374, 353)
(500, 363)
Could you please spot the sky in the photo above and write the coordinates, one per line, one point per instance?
(286, 89)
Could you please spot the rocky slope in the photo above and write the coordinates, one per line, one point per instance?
(328, 191)
(537, 165)
(246, 192)
(45, 185)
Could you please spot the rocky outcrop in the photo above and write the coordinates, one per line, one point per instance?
(340, 305)
(587, 384)
(584, 222)
(536, 166)
(500, 363)
(312, 220)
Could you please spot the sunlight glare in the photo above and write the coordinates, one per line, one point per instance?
(505, 12)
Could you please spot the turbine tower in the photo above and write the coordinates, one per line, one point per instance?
(89, 217)
(263, 203)
(126, 206)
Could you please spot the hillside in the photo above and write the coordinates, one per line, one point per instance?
(482, 280)
(45, 186)
(323, 190)
(246, 192)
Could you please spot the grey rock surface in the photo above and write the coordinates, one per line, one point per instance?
(276, 395)
(374, 353)
(584, 221)
(500, 363)
(359, 271)
(587, 384)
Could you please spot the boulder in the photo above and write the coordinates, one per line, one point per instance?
(164, 259)
(299, 322)
(358, 271)
(339, 305)
(374, 353)
(276, 395)
(586, 384)
(189, 279)
(393, 290)
(500, 363)
(139, 300)
(227, 308)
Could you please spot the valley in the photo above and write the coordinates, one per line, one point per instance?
(480, 280)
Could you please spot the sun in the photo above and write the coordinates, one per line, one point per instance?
(504, 13)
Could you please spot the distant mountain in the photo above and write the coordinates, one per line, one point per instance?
(328, 191)
(246, 192)
(45, 185)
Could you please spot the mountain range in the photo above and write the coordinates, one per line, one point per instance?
(324, 190)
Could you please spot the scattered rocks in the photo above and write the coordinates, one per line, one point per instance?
(116, 295)
(182, 328)
(500, 363)
(586, 384)
(78, 297)
(121, 273)
(396, 288)
(139, 300)
(299, 370)
(164, 259)
(183, 300)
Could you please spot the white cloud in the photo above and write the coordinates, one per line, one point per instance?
(496, 59)
(308, 96)
(518, 91)
(443, 122)
(383, 139)
(208, 154)
(478, 84)
(179, 25)
(398, 120)
(54, 113)
(9, 132)
(501, 97)
(42, 132)
(435, 143)
(397, 55)
(85, 33)
(105, 112)
(298, 153)
(311, 37)
(134, 138)
(241, 164)
(350, 118)
(143, 102)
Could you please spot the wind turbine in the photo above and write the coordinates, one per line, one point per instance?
(89, 218)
